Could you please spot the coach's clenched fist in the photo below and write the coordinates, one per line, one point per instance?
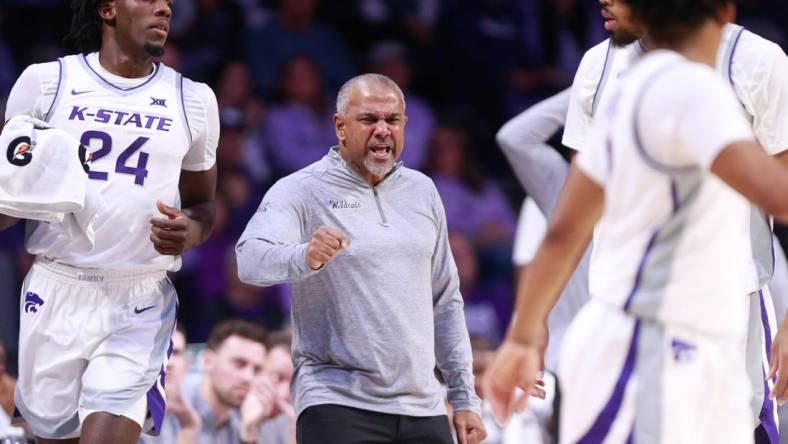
(325, 245)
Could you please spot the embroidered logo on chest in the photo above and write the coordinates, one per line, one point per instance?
(343, 204)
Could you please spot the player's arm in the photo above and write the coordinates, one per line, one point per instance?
(22, 100)
(182, 229)
(523, 139)
(571, 227)
(758, 177)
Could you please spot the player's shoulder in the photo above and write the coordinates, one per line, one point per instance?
(752, 44)
(196, 90)
(44, 72)
(593, 61)
(672, 78)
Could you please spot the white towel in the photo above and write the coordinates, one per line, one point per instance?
(43, 172)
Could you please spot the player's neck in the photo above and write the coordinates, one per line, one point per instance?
(121, 63)
(701, 46)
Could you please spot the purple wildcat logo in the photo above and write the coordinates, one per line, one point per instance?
(32, 302)
(683, 351)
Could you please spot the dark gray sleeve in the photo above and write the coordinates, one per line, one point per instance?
(540, 168)
(452, 343)
(272, 248)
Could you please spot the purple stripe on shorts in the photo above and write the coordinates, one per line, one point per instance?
(601, 427)
(156, 405)
(766, 416)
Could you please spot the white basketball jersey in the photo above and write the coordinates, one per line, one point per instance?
(669, 247)
(138, 138)
(754, 67)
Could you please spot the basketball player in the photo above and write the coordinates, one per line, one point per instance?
(96, 327)
(667, 308)
(757, 70)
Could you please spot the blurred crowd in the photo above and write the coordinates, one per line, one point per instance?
(466, 66)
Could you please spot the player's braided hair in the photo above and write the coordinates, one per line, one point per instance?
(85, 32)
(668, 21)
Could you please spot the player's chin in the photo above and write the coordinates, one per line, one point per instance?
(155, 49)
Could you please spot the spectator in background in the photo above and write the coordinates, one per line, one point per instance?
(7, 385)
(298, 129)
(231, 398)
(212, 39)
(239, 102)
(481, 315)
(181, 424)
(294, 30)
(474, 205)
(279, 370)
(390, 58)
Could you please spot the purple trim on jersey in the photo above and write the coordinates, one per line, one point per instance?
(57, 89)
(730, 59)
(155, 74)
(674, 196)
(767, 408)
(601, 427)
(601, 77)
(183, 110)
(650, 161)
(639, 273)
(631, 433)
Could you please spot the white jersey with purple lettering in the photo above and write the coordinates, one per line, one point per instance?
(141, 134)
(670, 292)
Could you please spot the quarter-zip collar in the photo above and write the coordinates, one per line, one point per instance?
(345, 170)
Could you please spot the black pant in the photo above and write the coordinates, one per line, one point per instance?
(336, 424)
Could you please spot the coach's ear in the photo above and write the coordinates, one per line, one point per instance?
(106, 11)
(339, 127)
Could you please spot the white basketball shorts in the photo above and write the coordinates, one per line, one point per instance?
(625, 380)
(92, 341)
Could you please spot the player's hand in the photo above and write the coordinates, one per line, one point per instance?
(174, 234)
(469, 427)
(325, 245)
(515, 365)
(779, 366)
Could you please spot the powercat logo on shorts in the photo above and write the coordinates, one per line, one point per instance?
(683, 351)
(32, 302)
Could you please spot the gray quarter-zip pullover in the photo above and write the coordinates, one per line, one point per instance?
(371, 325)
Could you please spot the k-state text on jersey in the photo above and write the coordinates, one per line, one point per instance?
(121, 118)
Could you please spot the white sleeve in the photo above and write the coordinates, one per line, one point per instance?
(579, 119)
(531, 228)
(594, 162)
(202, 113)
(770, 101)
(709, 119)
(37, 84)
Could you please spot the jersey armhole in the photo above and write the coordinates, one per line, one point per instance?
(184, 114)
(61, 82)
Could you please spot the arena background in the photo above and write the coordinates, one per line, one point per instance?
(466, 66)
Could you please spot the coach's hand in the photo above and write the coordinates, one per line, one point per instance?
(325, 245)
(174, 234)
(469, 427)
(779, 365)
